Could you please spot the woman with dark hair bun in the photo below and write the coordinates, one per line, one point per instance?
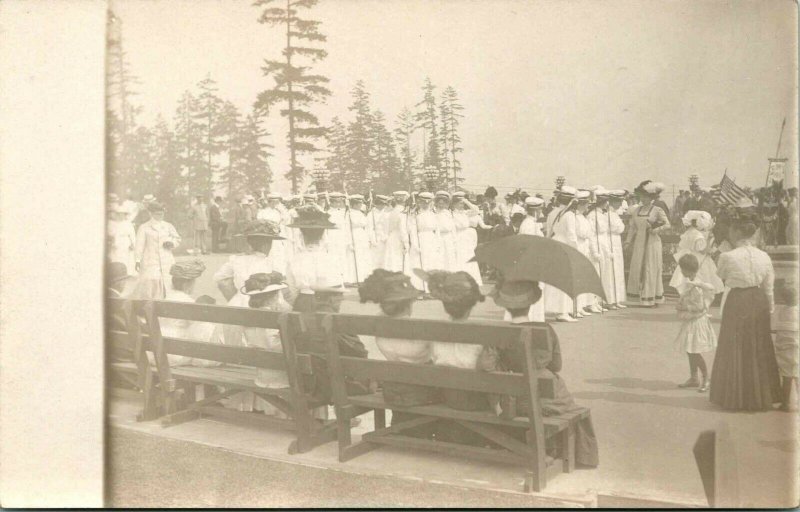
(745, 373)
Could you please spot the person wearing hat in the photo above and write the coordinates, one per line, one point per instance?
(616, 227)
(533, 209)
(216, 223)
(600, 242)
(517, 297)
(339, 238)
(467, 218)
(357, 258)
(274, 212)
(198, 214)
(647, 222)
(696, 240)
(155, 242)
(584, 302)
(311, 266)
(378, 229)
(562, 227)
(425, 249)
(118, 280)
(395, 295)
(141, 213)
(121, 237)
(446, 227)
(397, 239)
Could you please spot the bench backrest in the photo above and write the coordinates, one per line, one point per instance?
(532, 337)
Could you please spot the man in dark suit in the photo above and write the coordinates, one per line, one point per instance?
(215, 222)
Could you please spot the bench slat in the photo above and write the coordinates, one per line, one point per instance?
(246, 317)
(216, 377)
(481, 333)
(442, 376)
(487, 454)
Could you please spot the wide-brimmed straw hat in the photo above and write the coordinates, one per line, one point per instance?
(385, 286)
(311, 217)
(516, 294)
(450, 286)
(263, 229)
(567, 191)
(187, 269)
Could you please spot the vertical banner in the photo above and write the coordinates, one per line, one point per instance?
(777, 171)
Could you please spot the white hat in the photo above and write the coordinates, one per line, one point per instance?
(702, 219)
(600, 191)
(335, 195)
(744, 202)
(309, 196)
(534, 201)
(654, 187)
(582, 195)
(274, 196)
(399, 193)
(268, 289)
(425, 195)
(443, 193)
(149, 198)
(382, 197)
(617, 193)
(515, 208)
(356, 197)
(566, 190)
(459, 193)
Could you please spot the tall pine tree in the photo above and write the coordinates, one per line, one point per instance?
(337, 161)
(189, 138)
(294, 85)
(360, 166)
(252, 154)
(207, 113)
(427, 119)
(404, 130)
(231, 177)
(451, 110)
(388, 173)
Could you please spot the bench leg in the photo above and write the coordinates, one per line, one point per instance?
(150, 408)
(380, 418)
(536, 476)
(568, 448)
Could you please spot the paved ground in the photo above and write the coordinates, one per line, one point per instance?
(622, 365)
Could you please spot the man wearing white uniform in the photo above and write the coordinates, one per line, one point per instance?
(397, 242)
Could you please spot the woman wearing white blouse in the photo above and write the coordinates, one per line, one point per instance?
(745, 374)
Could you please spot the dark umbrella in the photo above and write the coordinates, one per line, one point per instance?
(536, 258)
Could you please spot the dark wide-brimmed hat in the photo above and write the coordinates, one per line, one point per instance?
(187, 269)
(516, 294)
(116, 272)
(263, 229)
(311, 217)
(385, 286)
(261, 283)
(450, 286)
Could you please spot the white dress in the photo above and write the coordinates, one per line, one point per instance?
(278, 252)
(240, 267)
(693, 241)
(396, 240)
(587, 247)
(311, 268)
(447, 237)
(358, 258)
(377, 230)
(617, 258)
(337, 240)
(426, 250)
(696, 335)
(185, 329)
(154, 260)
(563, 230)
(530, 226)
(600, 241)
(122, 243)
(466, 242)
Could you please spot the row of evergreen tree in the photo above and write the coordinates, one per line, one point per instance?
(212, 145)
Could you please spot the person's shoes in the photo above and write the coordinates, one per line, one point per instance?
(578, 314)
(704, 387)
(565, 318)
(587, 311)
(596, 309)
(612, 307)
(691, 383)
(621, 306)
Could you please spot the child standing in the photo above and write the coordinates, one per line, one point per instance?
(696, 335)
(785, 324)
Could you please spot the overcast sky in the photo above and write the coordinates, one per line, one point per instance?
(604, 92)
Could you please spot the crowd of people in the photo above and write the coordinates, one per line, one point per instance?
(300, 254)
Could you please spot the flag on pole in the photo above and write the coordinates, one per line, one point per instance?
(730, 192)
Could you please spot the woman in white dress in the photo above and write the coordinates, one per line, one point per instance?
(426, 249)
(601, 247)
(585, 234)
(615, 229)
(531, 226)
(377, 229)
(447, 231)
(337, 240)
(121, 238)
(155, 241)
(397, 242)
(358, 258)
(696, 241)
(467, 217)
(272, 213)
(562, 227)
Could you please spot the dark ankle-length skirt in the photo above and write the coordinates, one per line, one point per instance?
(745, 373)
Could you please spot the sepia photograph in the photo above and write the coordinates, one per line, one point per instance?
(447, 254)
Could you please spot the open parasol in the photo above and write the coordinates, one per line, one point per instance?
(536, 258)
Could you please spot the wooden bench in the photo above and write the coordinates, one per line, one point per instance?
(527, 387)
(236, 372)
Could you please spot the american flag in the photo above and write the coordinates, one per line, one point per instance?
(730, 192)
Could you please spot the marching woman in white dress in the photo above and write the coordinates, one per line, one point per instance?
(531, 226)
(601, 245)
(155, 241)
(561, 227)
(397, 243)
(615, 229)
(121, 238)
(467, 217)
(426, 250)
(377, 229)
(337, 240)
(359, 260)
(695, 241)
(585, 234)
(447, 231)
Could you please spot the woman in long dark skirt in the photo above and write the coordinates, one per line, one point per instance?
(745, 373)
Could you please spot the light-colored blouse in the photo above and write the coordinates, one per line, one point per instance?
(745, 267)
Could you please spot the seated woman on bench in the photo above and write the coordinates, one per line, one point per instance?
(393, 292)
(184, 274)
(517, 297)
